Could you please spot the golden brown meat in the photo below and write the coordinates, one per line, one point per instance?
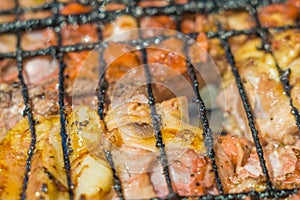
(131, 123)
(91, 175)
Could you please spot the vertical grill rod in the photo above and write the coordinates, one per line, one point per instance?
(62, 115)
(102, 87)
(156, 122)
(27, 111)
(207, 132)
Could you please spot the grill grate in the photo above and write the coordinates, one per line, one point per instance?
(97, 15)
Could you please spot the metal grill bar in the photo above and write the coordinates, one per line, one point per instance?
(102, 87)
(90, 46)
(27, 111)
(156, 121)
(207, 133)
(202, 6)
(63, 133)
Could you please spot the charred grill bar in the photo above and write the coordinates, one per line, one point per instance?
(63, 133)
(207, 133)
(27, 111)
(97, 15)
(101, 90)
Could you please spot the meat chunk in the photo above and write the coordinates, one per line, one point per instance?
(191, 175)
(91, 176)
(130, 124)
(265, 92)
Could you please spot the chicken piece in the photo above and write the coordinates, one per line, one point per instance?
(194, 23)
(8, 43)
(74, 34)
(240, 169)
(91, 175)
(114, 6)
(10, 4)
(168, 66)
(269, 103)
(169, 53)
(133, 174)
(278, 15)
(36, 70)
(153, 3)
(233, 20)
(47, 179)
(140, 181)
(286, 49)
(119, 59)
(33, 3)
(191, 175)
(36, 15)
(130, 124)
(232, 153)
(36, 39)
(282, 163)
(118, 30)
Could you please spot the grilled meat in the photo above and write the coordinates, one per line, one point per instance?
(268, 100)
(44, 101)
(133, 139)
(240, 168)
(91, 176)
(129, 132)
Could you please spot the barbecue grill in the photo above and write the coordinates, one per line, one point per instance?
(99, 17)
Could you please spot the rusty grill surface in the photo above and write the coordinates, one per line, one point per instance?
(99, 17)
